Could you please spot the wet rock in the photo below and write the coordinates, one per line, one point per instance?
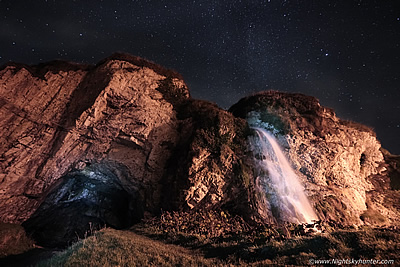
(336, 160)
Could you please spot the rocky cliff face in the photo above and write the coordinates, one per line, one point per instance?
(211, 160)
(70, 131)
(115, 142)
(339, 162)
(84, 117)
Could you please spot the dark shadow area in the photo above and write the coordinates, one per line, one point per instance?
(29, 258)
(81, 203)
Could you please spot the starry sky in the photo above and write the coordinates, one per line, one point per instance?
(346, 52)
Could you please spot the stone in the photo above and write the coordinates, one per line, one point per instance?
(125, 119)
(107, 144)
(336, 160)
(58, 117)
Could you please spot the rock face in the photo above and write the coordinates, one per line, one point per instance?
(70, 116)
(211, 161)
(338, 161)
(111, 143)
(71, 129)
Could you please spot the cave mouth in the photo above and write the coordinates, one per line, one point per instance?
(83, 201)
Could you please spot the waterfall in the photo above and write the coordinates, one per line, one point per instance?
(283, 189)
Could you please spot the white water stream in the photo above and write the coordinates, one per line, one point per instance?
(283, 188)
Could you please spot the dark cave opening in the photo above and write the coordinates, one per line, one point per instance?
(83, 201)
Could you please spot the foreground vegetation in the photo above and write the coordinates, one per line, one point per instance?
(164, 242)
(110, 247)
(215, 238)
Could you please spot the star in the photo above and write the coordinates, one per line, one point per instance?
(228, 49)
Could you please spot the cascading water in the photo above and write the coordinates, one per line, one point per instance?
(283, 189)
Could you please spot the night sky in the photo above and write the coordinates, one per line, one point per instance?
(346, 53)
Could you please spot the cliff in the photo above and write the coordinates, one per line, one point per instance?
(116, 142)
(70, 116)
(110, 143)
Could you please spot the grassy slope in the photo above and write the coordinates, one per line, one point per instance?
(124, 248)
(110, 247)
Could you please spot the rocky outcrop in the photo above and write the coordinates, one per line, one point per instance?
(338, 161)
(67, 117)
(211, 161)
(71, 130)
(111, 143)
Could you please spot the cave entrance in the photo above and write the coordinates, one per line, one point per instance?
(83, 201)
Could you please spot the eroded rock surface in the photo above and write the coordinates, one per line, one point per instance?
(126, 117)
(338, 161)
(70, 130)
(59, 119)
(211, 161)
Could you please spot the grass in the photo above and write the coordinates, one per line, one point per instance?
(216, 238)
(110, 247)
